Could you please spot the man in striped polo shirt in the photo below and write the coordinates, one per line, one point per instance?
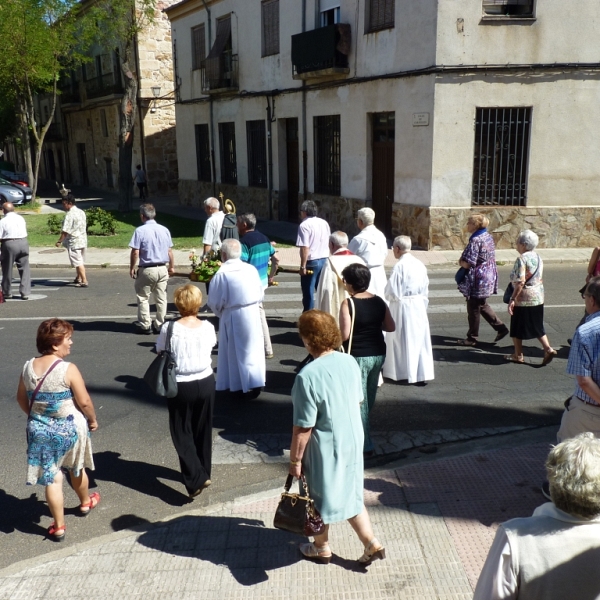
(257, 250)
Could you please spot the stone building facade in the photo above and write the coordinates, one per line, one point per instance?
(427, 111)
(81, 146)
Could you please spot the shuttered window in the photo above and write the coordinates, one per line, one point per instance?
(198, 47)
(327, 155)
(270, 27)
(228, 155)
(508, 8)
(257, 153)
(381, 14)
(203, 152)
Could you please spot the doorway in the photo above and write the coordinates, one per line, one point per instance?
(383, 169)
(293, 168)
(82, 159)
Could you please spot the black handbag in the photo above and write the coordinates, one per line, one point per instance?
(160, 375)
(297, 513)
(460, 275)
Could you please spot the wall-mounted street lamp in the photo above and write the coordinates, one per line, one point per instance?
(156, 93)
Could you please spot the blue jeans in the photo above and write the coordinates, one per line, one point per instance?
(309, 283)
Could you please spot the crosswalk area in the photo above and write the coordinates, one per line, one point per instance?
(39, 287)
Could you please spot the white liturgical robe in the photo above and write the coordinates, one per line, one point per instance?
(234, 296)
(409, 354)
(370, 244)
(331, 291)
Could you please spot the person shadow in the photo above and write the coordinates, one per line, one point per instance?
(22, 514)
(245, 546)
(139, 476)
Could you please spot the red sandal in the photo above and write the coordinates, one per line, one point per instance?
(94, 501)
(56, 533)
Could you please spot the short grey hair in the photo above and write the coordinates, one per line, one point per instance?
(248, 219)
(573, 468)
(310, 208)
(366, 215)
(212, 203)
(402, 242)
(339, 239)
(529, 239)
(231, 248)
(148, 211)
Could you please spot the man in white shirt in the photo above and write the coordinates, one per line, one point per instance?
(74, 238)
(554, 553)
(212, 233)
(14, 248)
(371, 245)
(313, 242)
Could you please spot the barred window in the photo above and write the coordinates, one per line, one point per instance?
(203, 153)
(327, 154)
(501, 156)
(227, 150)
(257, 153)
(270, 27)
(381, 14)
(198, 47)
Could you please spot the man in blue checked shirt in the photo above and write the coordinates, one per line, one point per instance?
(582, 412)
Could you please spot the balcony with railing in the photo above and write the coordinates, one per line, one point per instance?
(220, 74)
(54, 132)
(103, 85)
(69, 93)
(321, 52)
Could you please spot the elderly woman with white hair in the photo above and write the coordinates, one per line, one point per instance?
(553, 554)
(526, 303)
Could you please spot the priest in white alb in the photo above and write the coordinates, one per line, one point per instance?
(235, 294)
(371, 245)
(409, 355)
(331, 291)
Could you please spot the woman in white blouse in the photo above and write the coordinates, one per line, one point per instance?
(190, 412)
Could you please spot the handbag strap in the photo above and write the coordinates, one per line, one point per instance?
(301, 480)
(39, 385)
(535, 272)
(352, 317)
(170, 326)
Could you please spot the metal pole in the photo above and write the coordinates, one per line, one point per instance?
(211, 112)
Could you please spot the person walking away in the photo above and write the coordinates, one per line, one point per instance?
(408, 349)
(313, 242)
(257, 251)
(327, 437)
(141, 181)
(371, 245)
(190, 412)
(526, 305)
(480, 281)
(151, 246)
(235, 293)
(14, 248)
(60, 417)
(364, 340)
(331, 291)
(74, 238)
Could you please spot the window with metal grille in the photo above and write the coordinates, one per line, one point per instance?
(381, 14)
(198, 47)
(257, 153)
(501, 156)
(508, 8)
(270, 27)
(227, 149)
(203, 152)
(327, 155)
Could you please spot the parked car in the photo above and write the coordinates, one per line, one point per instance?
(20, 185)
(10, 193)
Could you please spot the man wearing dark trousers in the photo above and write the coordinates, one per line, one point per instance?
(14, 248)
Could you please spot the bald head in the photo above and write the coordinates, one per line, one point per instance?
(8, 207)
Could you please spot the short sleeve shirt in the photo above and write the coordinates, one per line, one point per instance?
(529, 269)
(314, 233)
(257, 251)
(153, 242)
(75, 225)
(584, 357)
(212, 229)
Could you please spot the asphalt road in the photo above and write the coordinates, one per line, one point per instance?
(136, 466)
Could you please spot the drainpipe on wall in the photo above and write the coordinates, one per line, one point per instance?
(211, 128)
(304, 137)
(270, 120)
(140, 108)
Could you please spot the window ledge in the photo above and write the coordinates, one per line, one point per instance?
(378, 29)
(331, 72)
(506, 18)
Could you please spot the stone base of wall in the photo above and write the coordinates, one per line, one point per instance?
(445, 228)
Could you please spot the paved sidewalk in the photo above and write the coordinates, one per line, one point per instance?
(436, 517)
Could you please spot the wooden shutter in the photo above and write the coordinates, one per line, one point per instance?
(381, 14)
(198, 47)
(270, 27)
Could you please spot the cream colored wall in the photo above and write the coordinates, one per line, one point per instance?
(563, 165)
(561, 32)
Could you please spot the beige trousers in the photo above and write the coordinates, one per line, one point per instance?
(151, 280)
(579, 418)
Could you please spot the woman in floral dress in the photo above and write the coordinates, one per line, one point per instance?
(480, 281)
(60, 416)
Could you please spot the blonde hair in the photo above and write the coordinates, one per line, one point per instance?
(479, 220)
(188, 299)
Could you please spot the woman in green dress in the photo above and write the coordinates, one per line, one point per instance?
(327, 439)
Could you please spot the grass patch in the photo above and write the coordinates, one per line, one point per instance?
(186, 233)
(29, 207)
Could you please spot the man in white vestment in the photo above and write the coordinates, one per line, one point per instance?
(409, 354)
(235, 294)
(331, 291)
(554, 554)
(370, 244)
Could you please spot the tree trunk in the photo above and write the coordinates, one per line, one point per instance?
(126, 134)
(25, 141)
